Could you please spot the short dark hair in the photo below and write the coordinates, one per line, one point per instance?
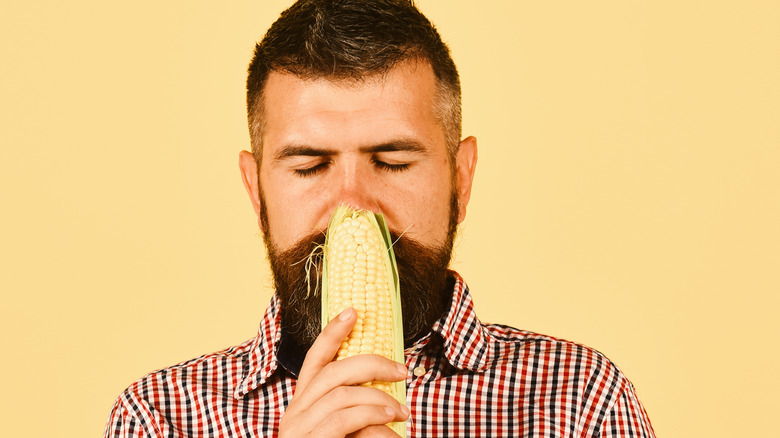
(352, 40)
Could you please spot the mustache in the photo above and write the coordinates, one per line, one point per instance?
(423, 276)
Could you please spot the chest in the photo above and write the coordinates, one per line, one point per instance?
(443, 403)
(496, 403)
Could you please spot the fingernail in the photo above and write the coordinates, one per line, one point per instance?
(345, 314)
(405, 410)
(389, 411)
(401, 369)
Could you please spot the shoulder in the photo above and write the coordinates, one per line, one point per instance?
(513, 337)
(510, 339)
(221, 370)
(537, 353)
(147, 406)
(550, 372)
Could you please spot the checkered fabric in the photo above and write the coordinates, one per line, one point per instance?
(466, 379)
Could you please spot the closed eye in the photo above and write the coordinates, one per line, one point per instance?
(390, 167)
(311, 171)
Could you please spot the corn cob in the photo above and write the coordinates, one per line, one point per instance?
(359, 271)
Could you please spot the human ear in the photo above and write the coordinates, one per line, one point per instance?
(465, 165)
(251, 179)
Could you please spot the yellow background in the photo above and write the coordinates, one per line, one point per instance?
(627, 195)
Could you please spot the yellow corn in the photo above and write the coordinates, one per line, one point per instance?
(360, 272)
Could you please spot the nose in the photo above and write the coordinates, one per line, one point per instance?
(354, 188)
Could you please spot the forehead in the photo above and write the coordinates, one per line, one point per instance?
(398, 103)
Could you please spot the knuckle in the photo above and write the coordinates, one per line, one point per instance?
(328, 372)
(340, 392)
(377, 361)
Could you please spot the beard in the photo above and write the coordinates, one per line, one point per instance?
(424, 281)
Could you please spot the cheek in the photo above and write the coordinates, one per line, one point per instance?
(296, 208)
(424, 203)
(281, 211)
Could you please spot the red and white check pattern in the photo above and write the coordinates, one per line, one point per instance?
(474, 380)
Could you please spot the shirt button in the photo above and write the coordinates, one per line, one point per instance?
(419, 371)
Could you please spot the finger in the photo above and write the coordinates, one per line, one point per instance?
(350, 371)
(374, 432)
(355, 418)
(345, 397)
(325, 347)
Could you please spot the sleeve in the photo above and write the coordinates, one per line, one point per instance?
(627, 418)
(123, 423)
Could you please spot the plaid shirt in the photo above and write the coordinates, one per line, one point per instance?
(466, 379)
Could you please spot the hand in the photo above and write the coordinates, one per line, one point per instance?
(327, 404)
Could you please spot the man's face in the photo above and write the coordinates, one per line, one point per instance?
(374, 145)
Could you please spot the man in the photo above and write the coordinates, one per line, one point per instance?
(358, 102)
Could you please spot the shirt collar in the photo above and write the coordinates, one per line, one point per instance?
(465, 339)
(262, 360)
(465, 342)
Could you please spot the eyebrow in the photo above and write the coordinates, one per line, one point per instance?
(401, 145)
